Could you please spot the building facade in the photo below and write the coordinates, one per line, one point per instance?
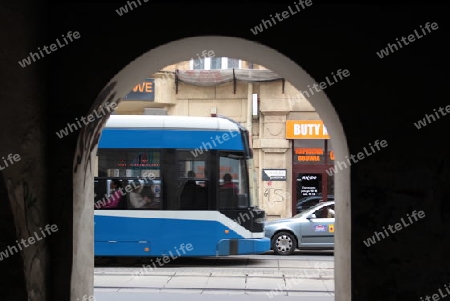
(292, 150)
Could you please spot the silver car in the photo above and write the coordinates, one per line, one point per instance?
(311, 229)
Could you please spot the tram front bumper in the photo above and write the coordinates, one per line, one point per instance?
(243, 246)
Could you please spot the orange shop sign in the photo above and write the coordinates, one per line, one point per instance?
(306, 129)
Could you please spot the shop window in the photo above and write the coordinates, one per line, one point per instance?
(330, 152)
(330, 184)
(309, 184)
(330, 161)
(309, 151)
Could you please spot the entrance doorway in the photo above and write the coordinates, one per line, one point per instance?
(311, 184)
(313, 160)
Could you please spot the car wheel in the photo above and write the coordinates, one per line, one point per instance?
(284, 243)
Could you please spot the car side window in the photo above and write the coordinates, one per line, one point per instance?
(320, 213)
(325, 212)
(331, 211)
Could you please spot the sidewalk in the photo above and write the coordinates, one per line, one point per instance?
(270, 277)
(102, 295)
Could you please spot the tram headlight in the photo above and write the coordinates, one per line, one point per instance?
(260, 220)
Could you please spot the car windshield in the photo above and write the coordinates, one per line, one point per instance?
(306, 212)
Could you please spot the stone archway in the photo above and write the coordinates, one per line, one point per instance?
(151, 62)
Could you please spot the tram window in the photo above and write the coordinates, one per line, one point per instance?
(106, 198)
(127, 165)
(233, 181)
(193, 181)
(144, 194)
(102, 193)
(128, 162)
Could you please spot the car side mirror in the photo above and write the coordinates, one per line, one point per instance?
(312, 215)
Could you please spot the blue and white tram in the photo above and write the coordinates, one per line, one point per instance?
(191, 211)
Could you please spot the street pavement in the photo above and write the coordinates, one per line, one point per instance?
(146, 296)
(309, 276)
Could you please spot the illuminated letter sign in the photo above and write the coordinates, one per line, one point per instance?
(142, 91)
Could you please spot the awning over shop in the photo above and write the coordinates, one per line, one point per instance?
(217, 77)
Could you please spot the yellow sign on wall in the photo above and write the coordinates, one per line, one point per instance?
(306, 129)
